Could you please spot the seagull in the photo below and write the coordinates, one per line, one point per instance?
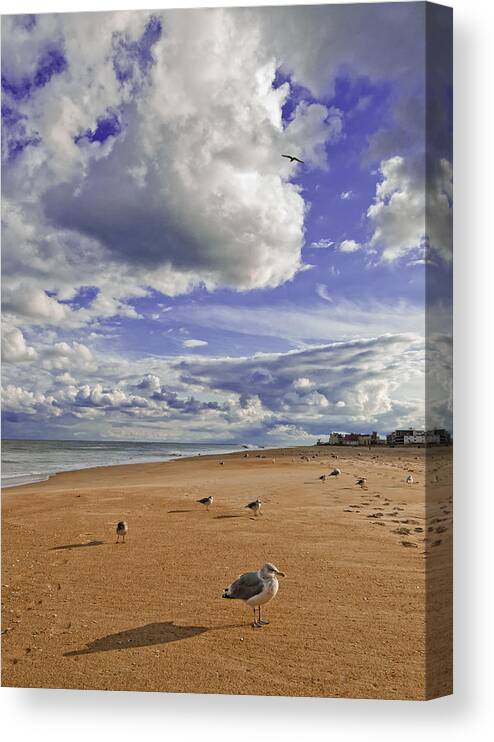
(255, 589)
(323, 477)
(255, 506)
(409, 479)
(122, 530)
(293, 159)
(335, 473)
(362, 481)
(207, 501)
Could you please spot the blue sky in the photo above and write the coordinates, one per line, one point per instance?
(167, 275)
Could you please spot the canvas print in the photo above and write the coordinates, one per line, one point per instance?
(226, 343)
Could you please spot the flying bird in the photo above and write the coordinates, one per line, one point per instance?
(207, 501)
(255, 589)
(122, 530)
(292, 158)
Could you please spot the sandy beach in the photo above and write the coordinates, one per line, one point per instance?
(80, 611)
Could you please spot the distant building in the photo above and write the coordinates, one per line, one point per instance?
(353, 439)
(411, 437)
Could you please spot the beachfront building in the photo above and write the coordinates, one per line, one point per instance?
(353, 439)
(411, 437)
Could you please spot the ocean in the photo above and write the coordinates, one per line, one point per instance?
(34, 461)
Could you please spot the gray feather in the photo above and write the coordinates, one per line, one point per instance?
(245, 587)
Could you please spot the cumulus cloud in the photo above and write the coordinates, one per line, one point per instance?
(34, 303)
(407, 216)
(184, 148)
(360, 378)
(374, 384)
(15, 348)
(349, 246)
(167, 172)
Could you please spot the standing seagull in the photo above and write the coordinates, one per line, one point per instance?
(207, 501)
(362, 481)
(255, 589)
(409, 479)
(255, 506)
(122, 530)
(335, 473)
(293, 159)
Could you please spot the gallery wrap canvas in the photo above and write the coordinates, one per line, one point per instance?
(226, 345)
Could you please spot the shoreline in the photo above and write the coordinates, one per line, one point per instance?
(80, 611)
(175, 457)
(242, 450)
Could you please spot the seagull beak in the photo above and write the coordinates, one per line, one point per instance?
(282, 574)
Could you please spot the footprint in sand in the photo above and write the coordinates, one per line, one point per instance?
(436, 543)
(402, 531)
(376, 515)
(418, 530)
(441, 529)
(409, 544)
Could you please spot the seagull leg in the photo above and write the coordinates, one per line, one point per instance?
(256, 624)
(262, 621)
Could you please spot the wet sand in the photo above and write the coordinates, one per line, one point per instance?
(80, 611)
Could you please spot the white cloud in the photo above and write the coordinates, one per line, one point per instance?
(15, 348)
(375, 383)
(28, 301)
(192, 343)
(322, 244)
(349, 246)
(346, 195)
(191, 188)
(405, 218)
(322, 291)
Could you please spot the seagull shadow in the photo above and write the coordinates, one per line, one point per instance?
(145, 636)
(180, 511)
(76, 546)
(222, 517)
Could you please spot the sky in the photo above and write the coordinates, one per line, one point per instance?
(168, 275)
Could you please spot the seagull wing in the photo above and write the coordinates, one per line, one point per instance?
(246, 586)
(288, 157)
(297, 160)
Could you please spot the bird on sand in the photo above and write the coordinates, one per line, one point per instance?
(409, 479)
(292, 158)
(335, 473)
(122, 530)
(362, 481)
(323, 477)
(255, 506)
(255, 589)
(207, 501)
